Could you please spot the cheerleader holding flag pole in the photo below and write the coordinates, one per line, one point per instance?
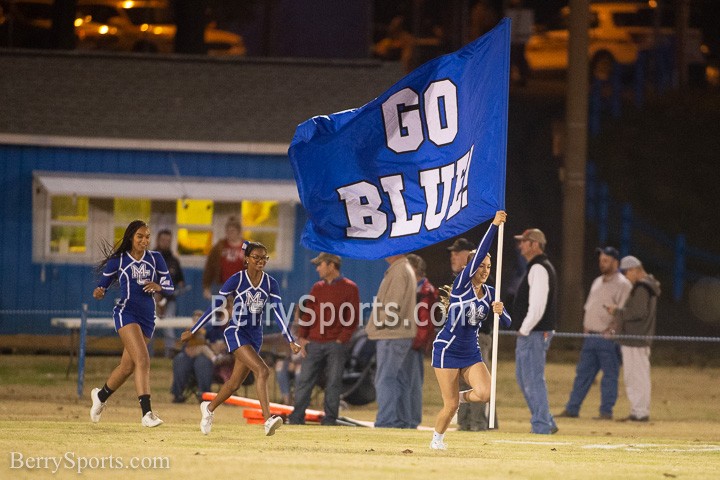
(455, 349)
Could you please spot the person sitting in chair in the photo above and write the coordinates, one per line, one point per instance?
(198, 360)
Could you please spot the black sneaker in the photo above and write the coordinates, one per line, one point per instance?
(603, 416)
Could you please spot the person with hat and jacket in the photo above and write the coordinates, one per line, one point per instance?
(535, 311)
(459, 251)
(637, 317)
(329, 316)
(598, 351)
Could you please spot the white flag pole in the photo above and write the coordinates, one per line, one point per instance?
(496, 326)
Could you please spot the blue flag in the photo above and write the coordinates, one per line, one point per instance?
(423, 162)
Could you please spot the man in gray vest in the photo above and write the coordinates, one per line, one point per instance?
(637, 317)
(534, 317)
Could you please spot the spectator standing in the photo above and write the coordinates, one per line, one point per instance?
(226, 258)
(535, 308)
(598, 352)
(523, 22)
(166, 303)
(427, 297)
(392, 325)
(329, 318)
(472, 416)
(459, 251)
(637, 317)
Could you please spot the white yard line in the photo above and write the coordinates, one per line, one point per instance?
(630, 447)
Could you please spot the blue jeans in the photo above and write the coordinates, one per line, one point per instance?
(530, 355)
(596, 354)
(331, 357)
(392, 382)
(183, 369)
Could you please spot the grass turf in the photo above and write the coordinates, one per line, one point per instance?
(48, 420)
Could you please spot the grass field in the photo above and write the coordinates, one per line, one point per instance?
(42, 419)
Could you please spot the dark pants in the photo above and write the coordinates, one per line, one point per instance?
(330, 357)
(472, 416)
(183, 369)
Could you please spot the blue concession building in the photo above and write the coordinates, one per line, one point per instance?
(89, 142)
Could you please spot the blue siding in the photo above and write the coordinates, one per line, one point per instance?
(66, 287)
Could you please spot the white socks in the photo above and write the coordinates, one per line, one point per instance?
(438, 437)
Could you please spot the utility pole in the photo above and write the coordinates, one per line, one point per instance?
(682, 18)
(576, 117)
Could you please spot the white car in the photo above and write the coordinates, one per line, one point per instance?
(618, 33)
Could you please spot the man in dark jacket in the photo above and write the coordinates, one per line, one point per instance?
(637, 317)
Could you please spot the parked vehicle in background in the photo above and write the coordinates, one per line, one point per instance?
(128, 26)
(144, 26)
(618, 33)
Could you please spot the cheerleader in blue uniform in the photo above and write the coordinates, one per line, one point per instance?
(140, 274)
(254, 294)
(455, 349)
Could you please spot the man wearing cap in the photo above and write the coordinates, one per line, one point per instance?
(535, 308)
(459, 251)
(471, 416)
(637, 317)
(330, 315)
(599, 352)
(392, 324)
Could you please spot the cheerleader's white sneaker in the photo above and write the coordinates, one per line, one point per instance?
(272, 424)
(97, 406)
(151, 420)
(207, 418)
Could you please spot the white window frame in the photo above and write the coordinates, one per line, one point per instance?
(101, 222)
(50, 223)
